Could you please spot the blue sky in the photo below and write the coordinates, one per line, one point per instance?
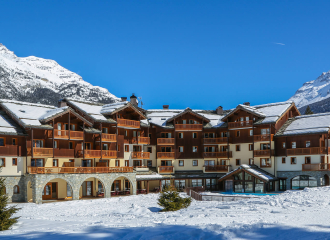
(198, 54)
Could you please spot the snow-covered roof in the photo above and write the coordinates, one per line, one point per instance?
(8, 126)
(90, 108)
(109, 108)
(52, 112)
(307, 124)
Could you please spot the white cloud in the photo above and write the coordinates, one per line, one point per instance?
(278, 43)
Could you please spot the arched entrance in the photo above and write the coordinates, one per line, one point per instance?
(57, 189)
(92, 187)
(326, 180)
(29, 195)
(121, 186)
(302, 181)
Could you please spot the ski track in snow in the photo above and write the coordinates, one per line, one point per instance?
(291, 215)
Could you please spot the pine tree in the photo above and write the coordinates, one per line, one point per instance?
(308, 111)
(170, 200)
(6, 220)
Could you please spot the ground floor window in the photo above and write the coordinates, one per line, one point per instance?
(166, 183)
(180, 184)
(68, 190)
(197, 182)
(210, 184)
(302, 181)
(282, 184)
(259, 185)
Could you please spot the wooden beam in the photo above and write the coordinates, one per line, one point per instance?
(53, 138)
(31, 142)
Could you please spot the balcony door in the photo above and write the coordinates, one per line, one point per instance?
(38, 143)
(166, 135)
(87, 163)
(209, 163)
(87, 189)
(136, 148)
(137, 163)
(166, 163)
(37, 162)
(166, 149)
(50, 191)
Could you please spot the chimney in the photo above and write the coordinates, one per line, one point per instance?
(133, 100)
(219, 110)
(61, 103)
(246, 103)
(123, 99)
(166, 107)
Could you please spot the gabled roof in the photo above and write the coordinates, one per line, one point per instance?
(253, 170)
(8, 126)
(188, 110)
(113, 108)
(246, 108)
(306, 124)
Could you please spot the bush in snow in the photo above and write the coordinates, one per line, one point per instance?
(6, 220)
(170, 200)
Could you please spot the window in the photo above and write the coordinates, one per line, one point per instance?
(117, 163)
(238, 133)
(2, 162)
(294, 144)
(264, 146)
(265, 131)
(37, 162)
(55, 162)
(251, 132)
(149, 163)
(308, 144)
(209, 149)
(238, 148)
(14, 141)
(195, 163)
(73, 127)
(126, 148)
(283, 160)
(238, 162)
(38, 143)
(88, 146)
(105, 130)
(87, 163)
(283, 145)
(308, 160)
(14, 162)
(149, 149)
(209, 135)
(126, 133)
(195, 149)
(251, 161)
(16, 189)
(71, 145)
(180, 135)
(302, 181)
(293, 160)
(197, 182)
(194, 135)
(180, 184)
(2, 142)
(250, 147)
(150, 134)
(210, 163)
(191, 121)
(184, 121)
(136, 148)
(126, 163)
(55, 144)
(265, 162)
(180, 149)
(71, 160)
(181, 163)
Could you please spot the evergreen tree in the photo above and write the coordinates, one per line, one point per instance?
(308, 111)
(170, 200)
(6, 220)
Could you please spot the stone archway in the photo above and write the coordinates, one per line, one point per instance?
(124, 176)
(95, 188)
(57, 188)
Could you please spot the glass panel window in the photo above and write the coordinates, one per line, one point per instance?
(265, 131)
(293, 144)
(197, 182)
(2, 162)
(195, 162)
(37, 162)
(308, 144)
(194, 135)
(180, 135)
(251, 132)
(194, 149)
(180, 149)
(38, 143)
(293, 160)
(283, 145)
(2, 142)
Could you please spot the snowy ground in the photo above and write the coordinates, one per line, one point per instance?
(292, 215)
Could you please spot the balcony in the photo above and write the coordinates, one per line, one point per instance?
(41, 152)
(97, 154)
(263, 138)
(140, 140)
(109, 137)
(165, 155)
(141, 155)
(60, 152)
(316, 167)
(188, 127)
(63, 134)
(222, 140)
(263, 153)
(218, 154)
(165, 141)
(128, 123)
(77, 135)
(10, 150)
(165, 169)
(216, 168)
(306, 151)
(57, 170)
(241, 124)
(141, 168)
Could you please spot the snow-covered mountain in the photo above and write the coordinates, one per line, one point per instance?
(315, 94)
(34, 79)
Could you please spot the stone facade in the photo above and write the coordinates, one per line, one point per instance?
(38, 182)
(291, 174)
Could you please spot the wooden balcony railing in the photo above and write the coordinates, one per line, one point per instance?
(97, 153)
(78, 135)
(10, 150)
(316, 167)
(262, 138)
(144, 140)
(41, 152)
(61, 134)
(128, 123)
(188, 127)
(60, 152)
(57, 170)
(263, 153)
(215, 140)
(217, 168)
(218, 154)
(165, 169)
(165, 155)
(109, 137)
(141, 155)
(241, 124)
(165, 141)
(306, 151)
